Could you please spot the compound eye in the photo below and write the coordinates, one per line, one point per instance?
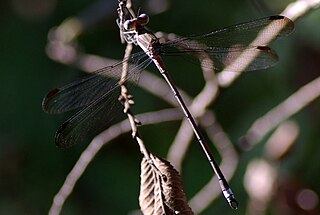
(143, 19)
(128, 25)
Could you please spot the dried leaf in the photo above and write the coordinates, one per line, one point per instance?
(161, 189)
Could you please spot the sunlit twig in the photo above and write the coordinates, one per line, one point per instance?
(93, 148)
(290, 106)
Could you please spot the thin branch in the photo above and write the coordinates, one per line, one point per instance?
(300, 7)
(293, 104)
(296, 101)
(292, 11)
(93, 148)
(127, 101)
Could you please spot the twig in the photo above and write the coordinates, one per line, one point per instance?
(296, 101)
(300, 8)
(93, 148)
(293, 104)
(127, 101)
(293, 11)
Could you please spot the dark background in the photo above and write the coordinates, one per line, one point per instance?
(32, 169)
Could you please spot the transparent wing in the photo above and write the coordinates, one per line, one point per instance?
(87, 89)
(97, 116)
(89, 121)
(227, 44)
(98, 96)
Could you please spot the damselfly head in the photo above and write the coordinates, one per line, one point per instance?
(143, 19)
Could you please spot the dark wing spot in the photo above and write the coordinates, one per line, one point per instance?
(58, 140)
(264, 48)
(52, 92)
(45, 107)
(276, 17)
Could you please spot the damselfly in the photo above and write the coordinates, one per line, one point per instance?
(96, 94)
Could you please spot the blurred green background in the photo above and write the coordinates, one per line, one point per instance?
(32, 169)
